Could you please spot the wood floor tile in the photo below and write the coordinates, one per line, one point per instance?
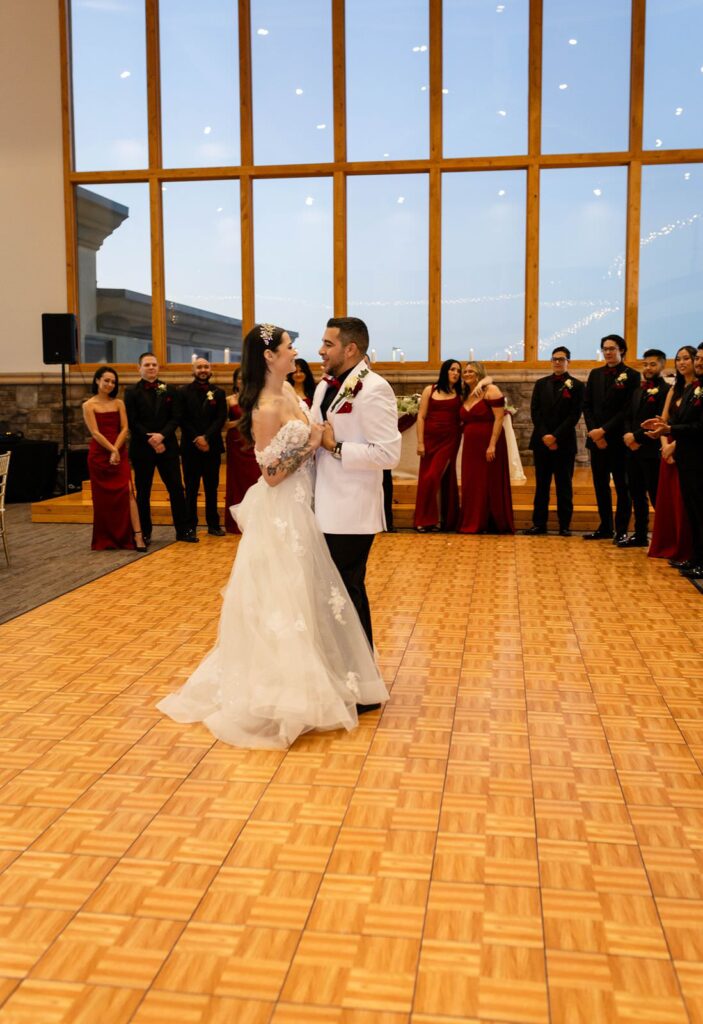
(516, 838)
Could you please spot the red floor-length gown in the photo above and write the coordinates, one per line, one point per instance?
(437, 500)
(486, 498)
(242, 469)
(110, 487)
(671, 532)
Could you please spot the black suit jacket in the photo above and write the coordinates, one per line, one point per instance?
(687, 428)
(151, 412)
(645, 403)
(556, 409)
(606, 399)
(200, 416)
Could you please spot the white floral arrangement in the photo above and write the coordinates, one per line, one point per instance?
(408, 405)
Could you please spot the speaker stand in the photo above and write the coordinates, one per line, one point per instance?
(64, 418)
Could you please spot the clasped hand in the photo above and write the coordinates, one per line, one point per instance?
(655, 427)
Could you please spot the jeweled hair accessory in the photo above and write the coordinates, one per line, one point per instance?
(266, 331)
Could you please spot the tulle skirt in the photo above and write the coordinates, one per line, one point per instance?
(291, 655)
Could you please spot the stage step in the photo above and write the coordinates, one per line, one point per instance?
(78, 508)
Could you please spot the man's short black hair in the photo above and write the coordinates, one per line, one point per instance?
(654, 353)
(620, 342)
(351, 328)
(562, 348)
(700, 347)
(143, 356)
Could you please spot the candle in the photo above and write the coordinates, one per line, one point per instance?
(471, 353)
(227, 355)
(372, 355)
(193, 358)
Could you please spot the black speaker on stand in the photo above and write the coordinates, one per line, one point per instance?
(60, 345)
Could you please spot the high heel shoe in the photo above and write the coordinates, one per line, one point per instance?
(142, 546)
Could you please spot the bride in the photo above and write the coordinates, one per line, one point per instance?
(291, 655)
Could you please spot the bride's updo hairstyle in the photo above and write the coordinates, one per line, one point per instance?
(253, 376)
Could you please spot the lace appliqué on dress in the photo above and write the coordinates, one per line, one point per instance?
(337, 603)
(352, 684)
(290, 439)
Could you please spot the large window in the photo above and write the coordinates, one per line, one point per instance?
(293, 257)
(466, 175)
(582, 258)
(671, 261)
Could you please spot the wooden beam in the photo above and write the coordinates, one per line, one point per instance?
(632, 258)
(68, 158)
(153, 83)
(435, 268)
(436, 62)
(637, 39)
(340, 244)
(339, 81)
(534, 136)
(246, 123)
(158, 290)
(246, 199)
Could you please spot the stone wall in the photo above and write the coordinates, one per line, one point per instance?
(32, 403)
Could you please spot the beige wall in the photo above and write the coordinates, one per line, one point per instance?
(32, 235)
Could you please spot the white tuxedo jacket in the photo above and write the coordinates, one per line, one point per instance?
(349, 491)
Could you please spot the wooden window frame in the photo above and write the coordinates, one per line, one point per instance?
(533, 162)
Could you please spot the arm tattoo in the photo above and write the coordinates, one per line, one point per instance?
(290, 460)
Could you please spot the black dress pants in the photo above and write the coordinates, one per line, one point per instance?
(642, 480)
(203, 466)
(388, 498)
(691, 482)
(607, 462)
(560, 465)
(169, 468)
(350, 552)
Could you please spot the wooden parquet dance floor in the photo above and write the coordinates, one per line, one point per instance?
(518, 837)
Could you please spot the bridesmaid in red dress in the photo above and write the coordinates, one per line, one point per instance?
(115, 516)
(486, 498)
(438, 438)
(671, 532)
(242, 467)
(303, 381)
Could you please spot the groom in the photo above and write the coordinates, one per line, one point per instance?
(360, 440)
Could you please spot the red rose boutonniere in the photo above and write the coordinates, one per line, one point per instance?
(621, 381)
(163, 391)
(210, 397)
(698, 395)
(566, 390)
(651, 394)
(349, 392)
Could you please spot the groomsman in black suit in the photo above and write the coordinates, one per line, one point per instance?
(557, 402)
(152, 416)
(643, 455)
(609, 390)
(202, 411)
(687, 431)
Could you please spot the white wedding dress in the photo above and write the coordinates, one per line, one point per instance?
(291, 655)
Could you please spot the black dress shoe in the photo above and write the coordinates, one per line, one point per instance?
(686, 563)
(619, 539)
(533, 531)
(696, 573)
(216, 531)
(565, 532)
(188, 538)
(598, 535)
(361, 709)
(633, 542)
(147, 539)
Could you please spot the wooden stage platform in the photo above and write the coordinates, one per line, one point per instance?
(77, 507)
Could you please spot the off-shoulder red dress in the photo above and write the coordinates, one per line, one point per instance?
(486, 498)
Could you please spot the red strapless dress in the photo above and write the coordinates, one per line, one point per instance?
(437, 500)
(486, 498)
(110, 487)
(242, 469)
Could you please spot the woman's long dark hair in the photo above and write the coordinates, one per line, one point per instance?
(260, 338)
(101, 373)
(680, 382)
(443, 379)
(309, 382)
